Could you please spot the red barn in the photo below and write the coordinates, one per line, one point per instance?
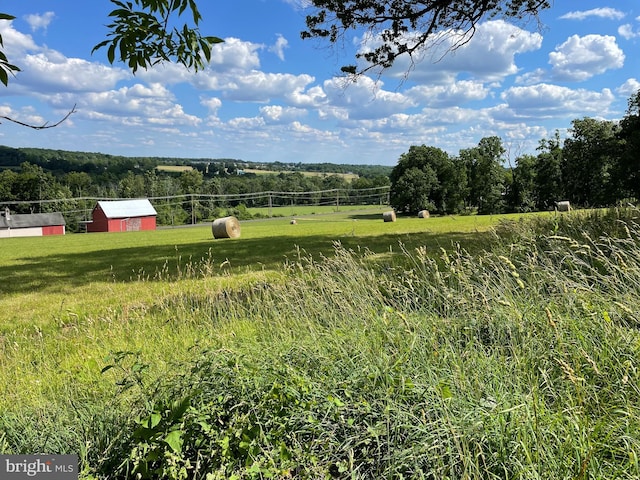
(123, 216)
(31, 225)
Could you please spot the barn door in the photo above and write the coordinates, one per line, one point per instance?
(134, 224)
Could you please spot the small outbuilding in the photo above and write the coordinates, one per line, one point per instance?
(123, 216)
(31, 224)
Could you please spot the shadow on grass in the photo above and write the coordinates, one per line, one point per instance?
(63, 272)
(378, 216)
(365, 216)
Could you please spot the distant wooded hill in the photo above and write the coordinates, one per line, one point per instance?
(62, 161)
(41, 180)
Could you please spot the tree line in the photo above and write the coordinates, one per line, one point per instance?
(597, 165)
(41, 180)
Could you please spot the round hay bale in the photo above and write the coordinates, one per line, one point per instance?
(389, 216)
(564, 206)
(226, 227)
(293, 221)
(423, 214)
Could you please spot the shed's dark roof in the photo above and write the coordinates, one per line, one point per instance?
(18, 220)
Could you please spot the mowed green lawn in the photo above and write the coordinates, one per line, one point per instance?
(67, 302)
(40, 266)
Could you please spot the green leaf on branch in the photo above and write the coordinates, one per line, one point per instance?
(174, 440)
(139, 32)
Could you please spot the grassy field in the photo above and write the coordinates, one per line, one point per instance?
(346, 176)
(58, 263)
(338, 347)
(174, 168)
(74, 286)
(306, 210)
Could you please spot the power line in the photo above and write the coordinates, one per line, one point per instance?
(271, 198)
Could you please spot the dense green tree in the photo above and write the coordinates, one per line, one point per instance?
(152, 186)
(32, 184)
(454, 185)
(170, 211)
(7, 180)
(191, 181)
(486, 175)
(78, 182)
(298, 182)
(588, 156)
(407, 27)
(131, 186)
(521, 190)
(412, 180)
(411, 191)
(361, 183)
(370, 181)
(332, 182)
(548, 174)
(627, 171)
(426, 178)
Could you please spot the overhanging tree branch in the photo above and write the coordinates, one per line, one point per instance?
(407, 27)
(140, 36)
(44, 125)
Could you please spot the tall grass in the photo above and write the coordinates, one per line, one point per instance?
(520, 361)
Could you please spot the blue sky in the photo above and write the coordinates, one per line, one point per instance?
(269, 96)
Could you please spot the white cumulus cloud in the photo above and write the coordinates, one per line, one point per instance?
(258, 86)
(280, 114)
(580, 58)
(139, 105)
(606, 12)
(546, 100)
(629, 87)
(279, 47)
(449, 94)
(626, 31)
(365, 99)
(15, 43)
(489, 55)
(52, 71)
(236, 54)
(213, 104)
(39, 22)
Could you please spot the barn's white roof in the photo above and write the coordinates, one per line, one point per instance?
(127, 208)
